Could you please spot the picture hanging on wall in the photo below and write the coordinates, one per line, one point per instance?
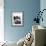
(17, 18)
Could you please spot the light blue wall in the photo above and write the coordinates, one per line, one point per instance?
(29, 7)
(43, 6)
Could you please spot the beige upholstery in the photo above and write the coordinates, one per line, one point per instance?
(39, 35)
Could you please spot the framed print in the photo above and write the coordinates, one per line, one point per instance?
(17, 18)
